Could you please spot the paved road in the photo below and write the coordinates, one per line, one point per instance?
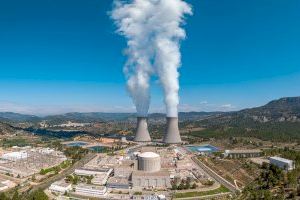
(216, 176)
(88, 157)
(213, 196)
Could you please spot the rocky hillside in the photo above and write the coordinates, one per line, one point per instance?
(281, 110)
(284, 109)
(277, 120)
(6, 129)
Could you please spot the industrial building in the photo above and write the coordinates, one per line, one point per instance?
(149, 162)
(60, 187)
(93, 172)
(90, 190)
(159, 179)
(282, 163)
(149, 173)
(27, 162)
(118, 182)
(242, 153)
(14, 156)
(100, 175)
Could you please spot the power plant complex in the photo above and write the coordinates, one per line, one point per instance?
(171, 136)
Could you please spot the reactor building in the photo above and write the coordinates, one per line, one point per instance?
(149, 162)
(149, 173)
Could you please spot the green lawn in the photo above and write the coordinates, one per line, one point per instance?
(221, 189)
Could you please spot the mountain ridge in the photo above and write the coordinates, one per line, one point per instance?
(280, 110)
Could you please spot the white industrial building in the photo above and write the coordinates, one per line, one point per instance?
(242, 153)
(282, 163)
(90, 190)
(100, 176)
(45, 150)
(27, 161)
(60, 187)
(93, 172)
(149, 173)
(13, 156)
(118, 182)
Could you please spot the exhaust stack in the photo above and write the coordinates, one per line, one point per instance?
(172, 135)
(142, 133)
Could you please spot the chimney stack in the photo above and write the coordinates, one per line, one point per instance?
(172, 135)
(142, 133)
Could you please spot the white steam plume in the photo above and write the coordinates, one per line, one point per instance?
(131, 19)
(153, 30)
(168, 19)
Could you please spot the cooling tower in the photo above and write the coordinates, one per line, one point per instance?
(172, 135)
(142, 133)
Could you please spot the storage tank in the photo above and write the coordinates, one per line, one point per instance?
(149, 162)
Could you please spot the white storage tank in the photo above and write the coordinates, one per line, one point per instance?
(149, 162)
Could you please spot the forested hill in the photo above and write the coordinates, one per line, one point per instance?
(281, 110)
(279, 119)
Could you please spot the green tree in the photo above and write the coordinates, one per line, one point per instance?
(292, 178)
(75, 180)
(3, 196)
(42, 172)
(16, 196)
(38, 195)
(194, 186)
(89, 179)
(33, 178)
(174, 187)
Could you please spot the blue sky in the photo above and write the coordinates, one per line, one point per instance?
(61, 56)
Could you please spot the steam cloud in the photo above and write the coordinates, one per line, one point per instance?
(153, 32)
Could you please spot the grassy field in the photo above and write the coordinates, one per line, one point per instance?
(241, 170)
(221, 189)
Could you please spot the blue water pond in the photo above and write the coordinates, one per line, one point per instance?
(203, 148)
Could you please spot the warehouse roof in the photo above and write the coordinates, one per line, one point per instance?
(243, 151)
(281, 159)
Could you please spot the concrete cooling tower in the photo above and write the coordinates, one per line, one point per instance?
(142, 133)
(172, 135)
